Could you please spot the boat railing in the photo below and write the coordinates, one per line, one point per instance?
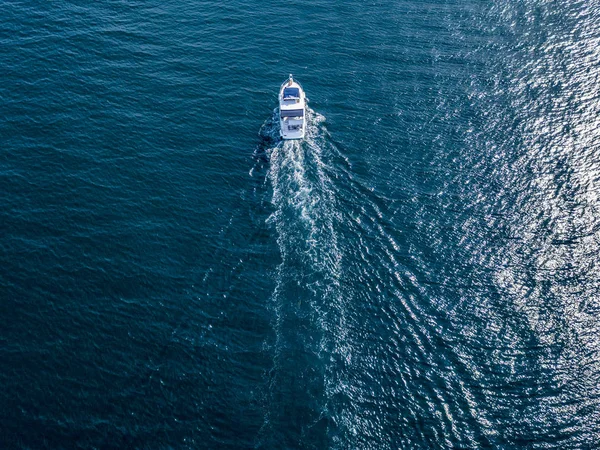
(287, 81)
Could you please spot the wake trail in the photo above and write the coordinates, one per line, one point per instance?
(308, 301)
(339, 260)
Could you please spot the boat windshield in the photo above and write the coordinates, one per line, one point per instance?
(292, 113)
(291, 93)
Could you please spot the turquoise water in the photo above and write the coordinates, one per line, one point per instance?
(420, 272)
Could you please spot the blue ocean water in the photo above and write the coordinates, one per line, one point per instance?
(420, 272)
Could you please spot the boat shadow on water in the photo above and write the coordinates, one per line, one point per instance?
(269, 138)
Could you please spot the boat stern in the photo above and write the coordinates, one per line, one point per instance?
(292, 130)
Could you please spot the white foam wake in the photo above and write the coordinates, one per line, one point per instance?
(307, 300)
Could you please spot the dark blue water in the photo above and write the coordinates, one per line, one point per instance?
(421, 272)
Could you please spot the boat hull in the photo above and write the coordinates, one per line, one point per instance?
(292, 110)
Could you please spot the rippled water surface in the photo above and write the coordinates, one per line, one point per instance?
(421, 271)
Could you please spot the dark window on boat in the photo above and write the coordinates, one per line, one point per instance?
(292, 113)
(291, 92)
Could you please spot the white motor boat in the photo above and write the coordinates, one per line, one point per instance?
(292, 110)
